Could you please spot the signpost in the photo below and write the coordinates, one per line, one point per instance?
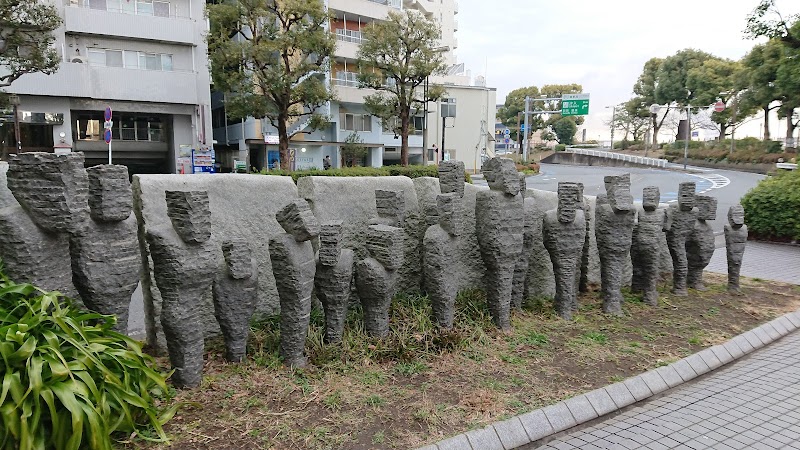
(107, 133)
(575, 104)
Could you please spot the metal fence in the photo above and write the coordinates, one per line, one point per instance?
(655, 162)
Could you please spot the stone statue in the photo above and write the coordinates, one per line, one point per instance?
(184, 263)
(294, 268)
(735, 241)
(52, 192)
(391, 206)
(700, 242)
(105, 253)
(614, 219)
(583, 279)
(332, 281)
(644, 248)
(376, 276)
(679, 223)
(235, 294)
(499, 229)
(521, 268)
(451, 177)
(563, 232)
(440, 245)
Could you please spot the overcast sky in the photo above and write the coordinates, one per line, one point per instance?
(601, 45)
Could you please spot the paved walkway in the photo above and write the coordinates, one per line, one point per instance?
(763, 260)
(753, 403)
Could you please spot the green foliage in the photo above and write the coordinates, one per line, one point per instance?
(748, 150)
(27, 40)
(271, 58)
(396, 57)
(69, 381)
(353, 149)
(515, 104)
(771, 207)
(565, 129)
(561, 147)
(414, 171)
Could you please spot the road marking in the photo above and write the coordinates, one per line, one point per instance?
(717, 181)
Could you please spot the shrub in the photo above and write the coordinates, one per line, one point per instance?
(69, 381)
(771, 207)
(560, 147)
(413, 171)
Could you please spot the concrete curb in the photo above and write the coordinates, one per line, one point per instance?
(550, 420)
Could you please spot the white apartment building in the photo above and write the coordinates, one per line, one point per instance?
(146, 60)
(256, 141)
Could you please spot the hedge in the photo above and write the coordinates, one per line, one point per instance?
(408, 171)
(748, 150)
(771, 208)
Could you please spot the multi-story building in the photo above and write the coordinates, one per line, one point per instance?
(256, 142)
(144, 59)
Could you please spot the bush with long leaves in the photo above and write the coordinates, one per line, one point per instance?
(68, 380)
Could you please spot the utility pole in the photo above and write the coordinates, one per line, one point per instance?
(525, 140)
(519, 132)
(733, 123)
(688, 135)
(613, 125)
(425, 123)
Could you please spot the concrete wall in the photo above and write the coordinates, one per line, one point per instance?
(587, 160)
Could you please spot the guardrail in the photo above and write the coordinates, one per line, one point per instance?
(655, 162)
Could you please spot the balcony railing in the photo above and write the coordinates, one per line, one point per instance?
(343, 78)
(349, 36)
(138, 8)
(390, 3)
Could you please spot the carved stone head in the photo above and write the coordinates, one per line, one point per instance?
(501, 175)
(385, 244)
(651, 197)
(618, 189)
(449, 213)
(391, 205)
(110, 195)
(190, 214)
(707, 207)
(736, 216)
(686, 195)
(330, 243)
(569, 201)
(451, 177)
(238, 258)
(297, 219)
(53, 189)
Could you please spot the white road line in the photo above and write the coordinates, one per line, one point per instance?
(717, 181)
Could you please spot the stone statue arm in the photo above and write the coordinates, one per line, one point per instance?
(667, 220)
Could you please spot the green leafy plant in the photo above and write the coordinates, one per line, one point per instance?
(68, 380)
(415, 171)
(771, 207)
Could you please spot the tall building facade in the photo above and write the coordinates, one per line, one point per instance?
(144, 59)
(256, 142)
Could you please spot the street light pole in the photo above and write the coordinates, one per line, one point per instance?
(525, 139)
(613, 125)
(425, 123)
(14, 98)
(733, 123)
(688, 135)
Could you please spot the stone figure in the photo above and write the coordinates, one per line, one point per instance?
(235, 293)
(679, 223)
(583, 279)
(644, 248)
(735, 241)
(105, 253)
(294, 268)
(391, 206)
(451, 177)
(332, 280)
(614, 219)
(184, 263)
(521, 268)
(52, 195)
(563, 231)
(499, 228)
(376, 276)
(440, 245)
(700, 242)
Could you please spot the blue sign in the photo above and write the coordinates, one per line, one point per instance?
(522, 127)
(107, 135)
(107, 114)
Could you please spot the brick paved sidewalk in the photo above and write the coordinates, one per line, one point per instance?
(774, 262)
(752, 403)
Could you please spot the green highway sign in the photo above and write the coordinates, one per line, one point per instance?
(575, 104)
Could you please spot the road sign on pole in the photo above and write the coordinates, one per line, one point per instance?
(719, 106)
(575, 104)
(107, 133)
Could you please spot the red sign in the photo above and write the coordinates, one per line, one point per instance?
(107, 114)
(107, 136)
(719, 106)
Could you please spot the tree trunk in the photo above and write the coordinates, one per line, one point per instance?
(656, 127)
(790, 126)
(404, 126)
(283, 143)
(722, 128)
(766, 123)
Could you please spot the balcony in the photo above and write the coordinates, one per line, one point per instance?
(83, 20)
(112, 83)
(348, 43)
(374, 9)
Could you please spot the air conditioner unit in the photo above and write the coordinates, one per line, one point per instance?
(78, 59)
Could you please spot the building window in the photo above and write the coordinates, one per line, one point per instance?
(127, 127)
(415, 125)
(139, 7)
(355, 122)
(130, 59)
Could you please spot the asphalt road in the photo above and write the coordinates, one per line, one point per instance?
(727, 186)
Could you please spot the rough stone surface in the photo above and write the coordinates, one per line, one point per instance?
(470, 271)
(645, 256)
(244, 208)
(588, 214)
(376, 277)
(499, 229)
(563, 231)
(678, 225)
(700, 242)
(104, 252)
(332, 280)
(391, 206)
(451, 177)
(427, 188)
(614, 220)
(52, 189)
(521, 267)
(735, 242)
(440, 245)
(183, 272)
(352, 200)
(297, 219)
(235, 297)
(6, 197)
